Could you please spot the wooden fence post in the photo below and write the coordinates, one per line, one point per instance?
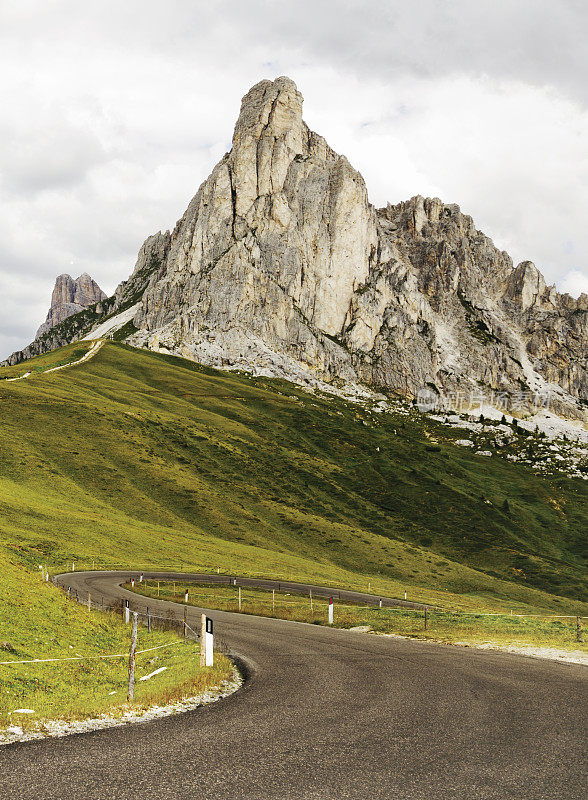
(185, 625)
(426, 619)
(310, 591)
(239, 598)
(131, 690)
(578, 630)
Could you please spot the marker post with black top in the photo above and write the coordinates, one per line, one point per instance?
(209, 647)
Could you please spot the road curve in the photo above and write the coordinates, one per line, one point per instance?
(327, 714)
(342, 595)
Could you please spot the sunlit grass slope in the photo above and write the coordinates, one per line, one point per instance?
(38, 621)
(56, 358)
(442, 625)
(135, 457)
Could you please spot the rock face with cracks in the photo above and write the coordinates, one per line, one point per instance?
(70, 296)
(281, 266)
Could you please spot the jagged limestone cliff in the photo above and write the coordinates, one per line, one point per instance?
(281, 265)
(70, 296)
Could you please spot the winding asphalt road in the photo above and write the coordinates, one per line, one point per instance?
(328, 714)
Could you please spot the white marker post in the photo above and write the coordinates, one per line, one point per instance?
(186, 596)
(405, 594)
(239, 598)
(141, 578)
(203, 640)
(127, 612)
(209, 656)
(330, 610)
(380, 602)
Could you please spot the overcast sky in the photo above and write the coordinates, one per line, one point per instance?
(113, 113)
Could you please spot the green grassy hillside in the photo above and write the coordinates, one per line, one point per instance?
(38, 621)
(56, 358)
(135, 457)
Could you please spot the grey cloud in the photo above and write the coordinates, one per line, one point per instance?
(537, 41)
(48, 158)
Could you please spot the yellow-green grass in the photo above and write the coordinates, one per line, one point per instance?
(56, 358)
(444, 626)
(38, 621)
(135, 457)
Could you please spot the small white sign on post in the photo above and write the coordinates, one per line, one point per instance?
(209, 643)
(330, 610)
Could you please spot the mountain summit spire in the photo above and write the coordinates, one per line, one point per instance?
(274, 107)
(268, 135)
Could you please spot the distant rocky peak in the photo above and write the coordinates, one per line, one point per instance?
(70, 296)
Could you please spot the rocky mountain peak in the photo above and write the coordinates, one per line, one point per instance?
(70, 296)
(268, 135)
(272, 109)
(281, 266)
